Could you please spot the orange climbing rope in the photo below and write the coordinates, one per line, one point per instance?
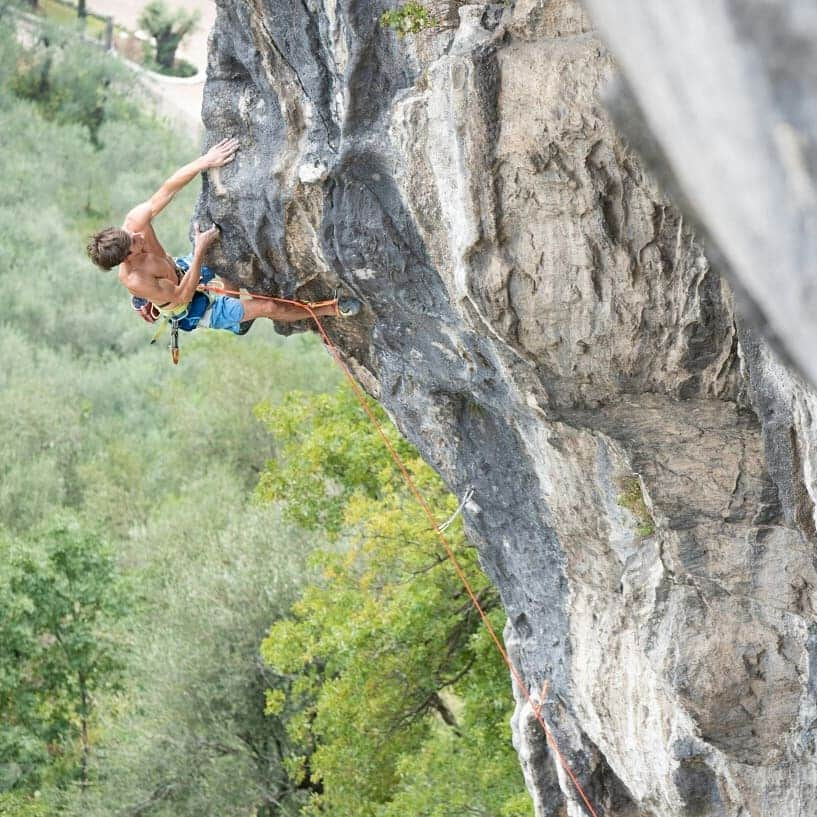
(536, 708)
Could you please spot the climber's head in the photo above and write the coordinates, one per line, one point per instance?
(110, 247)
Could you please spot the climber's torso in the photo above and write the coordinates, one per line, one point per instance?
(148, 271)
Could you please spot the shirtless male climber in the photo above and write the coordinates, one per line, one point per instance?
(167, 287)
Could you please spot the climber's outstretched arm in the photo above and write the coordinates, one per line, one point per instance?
(140, 217)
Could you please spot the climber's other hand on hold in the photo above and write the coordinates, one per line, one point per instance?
(203, 240)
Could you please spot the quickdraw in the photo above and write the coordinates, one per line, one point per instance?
(175, 354)
(173, 323)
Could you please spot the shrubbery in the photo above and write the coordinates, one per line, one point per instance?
(409, 18)
(72, 82)
(61, 598)
(157, 460)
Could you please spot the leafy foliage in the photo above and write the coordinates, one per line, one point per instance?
(73, 82)
(192, 738)
(162, 460)
(409, 18)
(61, 599)
(632, 498)
(384, 671)
(17, 804)
(327, 454)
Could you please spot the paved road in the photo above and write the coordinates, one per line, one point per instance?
(180, 100)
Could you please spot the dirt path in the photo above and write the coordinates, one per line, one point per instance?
(179, 99)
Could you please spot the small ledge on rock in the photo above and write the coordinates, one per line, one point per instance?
(313, 172)
(471, 32)
(364, 273)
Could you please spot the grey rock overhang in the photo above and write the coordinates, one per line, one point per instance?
(544, 325)
(727, 91)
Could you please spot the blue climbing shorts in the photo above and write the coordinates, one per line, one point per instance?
(220, 312)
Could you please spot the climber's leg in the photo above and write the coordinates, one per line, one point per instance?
(286, 313)
(289, 313)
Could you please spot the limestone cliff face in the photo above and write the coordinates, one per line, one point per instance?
(543, 323)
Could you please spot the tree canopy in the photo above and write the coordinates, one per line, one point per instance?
(391, 690)
(61, 598)
(154, 464)
(168, 28)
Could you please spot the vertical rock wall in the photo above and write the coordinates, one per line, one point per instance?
(543, 323)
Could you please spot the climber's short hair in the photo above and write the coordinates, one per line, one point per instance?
(109, 247)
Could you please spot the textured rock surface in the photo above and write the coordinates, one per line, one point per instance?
(543, 324)
(726, 91)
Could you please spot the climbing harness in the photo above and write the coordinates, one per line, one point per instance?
(170, 317)
(173, 316)
(535, 706)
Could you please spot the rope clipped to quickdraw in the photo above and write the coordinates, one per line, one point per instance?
(465, 500)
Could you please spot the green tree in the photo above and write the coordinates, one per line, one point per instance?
(384, 671)
(58, 652)
(16, 804)
(72, 82)
(326, 454)
(192, 740)
(168, 28)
